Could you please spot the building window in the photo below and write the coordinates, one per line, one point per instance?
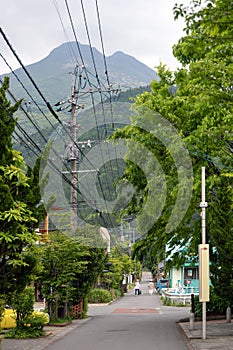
(191, 273)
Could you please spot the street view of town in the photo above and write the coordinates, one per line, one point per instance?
(116, 193)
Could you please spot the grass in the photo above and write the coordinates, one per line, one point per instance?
(169, 302)
(60, 320)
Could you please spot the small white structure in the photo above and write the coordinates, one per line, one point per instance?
(106, 236)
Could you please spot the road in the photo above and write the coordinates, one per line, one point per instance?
(133, 322)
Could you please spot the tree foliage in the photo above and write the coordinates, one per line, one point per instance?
(19, 195)
(119, 264)
(70, 267)
(197, 100)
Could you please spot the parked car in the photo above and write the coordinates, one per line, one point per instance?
(162, 283)
(9, 317)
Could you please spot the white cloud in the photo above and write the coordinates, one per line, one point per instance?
(144, 29)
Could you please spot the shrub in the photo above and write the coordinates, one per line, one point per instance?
(23, 305)
(99, 296)
(36, 320)
(2, 305)
(116, 293)
(170, 302)
(33, 327)
(119, 293)
(24, 332)
(216, 305)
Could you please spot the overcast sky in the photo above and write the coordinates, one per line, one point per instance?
(144, 29)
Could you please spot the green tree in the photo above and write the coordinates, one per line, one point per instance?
(95, 257)
(197, 100)
(70, 267)
(207, 49)
(18, 213)
(119, 264)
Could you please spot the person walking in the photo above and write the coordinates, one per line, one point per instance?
(137, 288)
(151, 287)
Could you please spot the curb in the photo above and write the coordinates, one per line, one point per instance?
(59, 324)
(186, 337)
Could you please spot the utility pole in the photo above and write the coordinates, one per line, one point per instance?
(73, 159)
(72, 150)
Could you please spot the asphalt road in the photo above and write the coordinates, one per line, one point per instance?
(133, 322)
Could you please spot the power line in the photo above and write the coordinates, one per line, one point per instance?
(102, 42)
(24, 142)
(51, 163)
(75, 96)
(74, 32)
(33, 82)
(95, 68)
(24, 87)
(97, 77)
(72, 53)
(89, 40)
(38, 90)
(106, 72)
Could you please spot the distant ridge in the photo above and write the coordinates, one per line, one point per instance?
(129, 66)
(52, 73)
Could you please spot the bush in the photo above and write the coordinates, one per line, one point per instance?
(24, 332)
(33, 327)
(36, 320)
(116, 293)
(170, 302)
(119, 293)
(99, 296)
(216, 305)
(23, 303)
(2, 306)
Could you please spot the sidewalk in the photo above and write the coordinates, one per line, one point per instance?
(54, 333)
(219, 335)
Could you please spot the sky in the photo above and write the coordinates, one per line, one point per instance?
(144, 29)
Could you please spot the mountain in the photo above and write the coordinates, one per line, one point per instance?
(53, 77)
(52, 74)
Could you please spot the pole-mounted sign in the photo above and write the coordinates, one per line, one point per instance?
(204, 274)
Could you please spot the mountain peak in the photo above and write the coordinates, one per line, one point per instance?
(119, 53)
(53, 72)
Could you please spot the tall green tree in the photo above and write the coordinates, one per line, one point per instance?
(197, 100)
(19, 196)
(208, 49)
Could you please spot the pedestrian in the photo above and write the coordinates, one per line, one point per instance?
(151, 287)
(137, 288)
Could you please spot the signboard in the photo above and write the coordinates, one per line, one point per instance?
(204, 273)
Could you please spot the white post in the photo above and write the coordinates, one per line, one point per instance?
(228, 314)
(203, 205)
(203, 258)
(203, 230)
(191, 321)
